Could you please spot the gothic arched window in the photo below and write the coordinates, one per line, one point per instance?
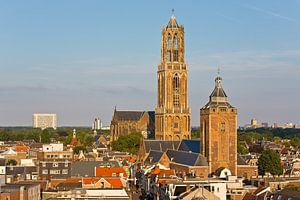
(169, 48)
(176, 91)
(169, 41)
(175, 51)
(175, 42)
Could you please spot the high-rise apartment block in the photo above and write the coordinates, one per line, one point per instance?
(44, 120)
(97, 124)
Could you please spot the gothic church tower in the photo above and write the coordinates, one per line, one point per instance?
(172, 113)
(218, 131)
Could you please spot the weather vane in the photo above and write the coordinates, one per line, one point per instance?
(173, 11)
(218, 71)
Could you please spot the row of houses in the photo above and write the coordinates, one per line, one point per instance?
(36, 171)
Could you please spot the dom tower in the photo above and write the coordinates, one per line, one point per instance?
(172, 113)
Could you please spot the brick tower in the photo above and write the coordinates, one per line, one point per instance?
(172, 113)
(218, 131)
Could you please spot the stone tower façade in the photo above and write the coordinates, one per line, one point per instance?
(218, 131)
(172, 113)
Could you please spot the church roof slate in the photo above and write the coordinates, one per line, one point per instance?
(132, 115)
(240, 160)
(153, 157)
(190, 145)
(186, 158)
(161, 145)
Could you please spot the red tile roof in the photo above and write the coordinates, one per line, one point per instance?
(22, 148)
(110, 171)
(163, 172)
(114, 182)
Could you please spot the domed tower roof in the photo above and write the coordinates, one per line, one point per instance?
(218, 96)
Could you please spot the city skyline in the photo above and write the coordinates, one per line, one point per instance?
(82, 66)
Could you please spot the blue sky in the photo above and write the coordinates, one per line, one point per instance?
(79, 59)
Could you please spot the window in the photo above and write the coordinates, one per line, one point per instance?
(64, 171)
(223, 109)
(175, 55)
(114, 175)
(44, 164)
(175, 42)
(169, 41)
(66, 164)
(45, 171)
(176, 91)
(56, 171)
(55, 164)
(169, 56)
(222, 128)
(175, 125)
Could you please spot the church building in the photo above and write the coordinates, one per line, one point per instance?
(172, 113)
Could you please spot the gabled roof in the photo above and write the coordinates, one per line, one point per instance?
(9, 152)
(109, 171)
(87, 168)
(65, 186)
(22, 148)
(99, 144)
(153, 157)
(240, 160)
(186, 158)
(190, 146)
(161, 145)
(128, 115)
(131, 115)
(115, 182)
(15, 170)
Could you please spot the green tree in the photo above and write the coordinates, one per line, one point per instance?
(11, 162)
(77, 150)
(295, 142)
(269, 161)
(129, 143)
(45, 136)
(88, 140)
(241, 149)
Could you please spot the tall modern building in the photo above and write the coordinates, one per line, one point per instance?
(97, 124)
(44, 120)
(172, 113)
(218, 131)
